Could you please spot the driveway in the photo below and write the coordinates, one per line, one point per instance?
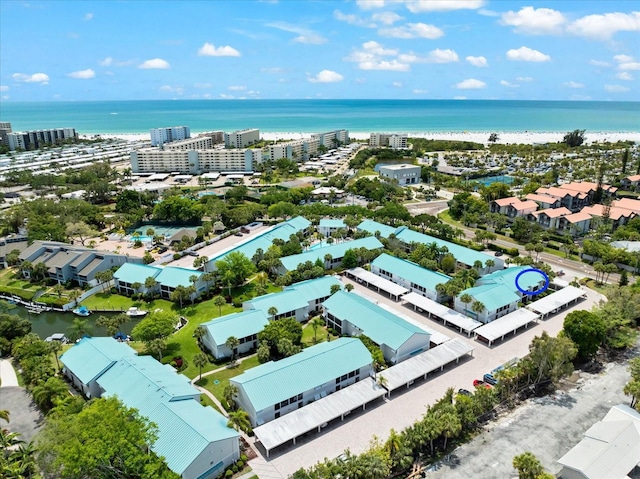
(7, 374)
(24, 416)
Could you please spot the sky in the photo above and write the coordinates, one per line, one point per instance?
(294, 49)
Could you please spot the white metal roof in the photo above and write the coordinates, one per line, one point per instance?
(446, 314)
(316, 414)
(375, 280)
(556, 300)
(417, 366)
(506, 324)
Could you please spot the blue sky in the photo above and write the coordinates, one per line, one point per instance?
(428, 49)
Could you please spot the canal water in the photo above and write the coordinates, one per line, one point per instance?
(47, 323)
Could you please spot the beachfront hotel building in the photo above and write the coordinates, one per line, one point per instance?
(331, 139)
(34, 139)
(194, 162)
(160, 136)
(5, 129)
(396, 141)
(299, 150)
(241, 138)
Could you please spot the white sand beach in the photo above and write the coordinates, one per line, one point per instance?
(511, 137)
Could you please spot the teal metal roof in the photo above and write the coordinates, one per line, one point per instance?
(463, 255)
(330, 223)
(273, 382)
(493, 296)
(136, 273)
(410, 271)
(314, 288)
(507, 277)
(239, 325)
(284, 302)
(336, 250)
(90, 357)
(137, 380)
(381, 325)
(172, 276)
(185, 430)
(373, 226)
(281, 231)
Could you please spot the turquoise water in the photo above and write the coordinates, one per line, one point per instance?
(143, 238)
(486, 181)
(318, 115)
(322, 244)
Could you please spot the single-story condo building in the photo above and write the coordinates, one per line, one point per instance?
(167, 279)
(243, 326)
(276, 388)
(297, 300)
(352, 314)
(331, 255)
(207, 446)
(410, 275)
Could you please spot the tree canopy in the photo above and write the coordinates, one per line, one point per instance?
(587, 330)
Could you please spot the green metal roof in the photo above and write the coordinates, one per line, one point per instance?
(410, 271)
(185, 430)
(239, 325)
(493, 296)
(381, 325)
(90, 357)
(336, 250)
(173, 276)
(281, 231)
(314, 288)
(273, 382)
(463, 255)
(136, 273)
(331, 223)
(373, 226)
(507, 277)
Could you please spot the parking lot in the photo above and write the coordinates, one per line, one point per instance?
(407, 406)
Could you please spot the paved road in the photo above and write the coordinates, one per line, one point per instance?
(8, 376)
(405, 407)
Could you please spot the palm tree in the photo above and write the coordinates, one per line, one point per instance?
(232, 343)
(239, 420)
(229, 393)
(136, 286)
(4, 414)
(157, 345)
(46, 393)
(200, 360)
(348, 287)
(450, 425)
(150, 283)
(272, 311)
(79, 327)
(55, 347)
(316, 323)
(466, 299)
(477, 307)
(9, 439)
(489, 263)
(73, 295)
(219, 301)
(193, 279)
(430, 428)
(335, 288)
(199, 333)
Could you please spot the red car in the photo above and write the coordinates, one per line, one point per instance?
(479, 383)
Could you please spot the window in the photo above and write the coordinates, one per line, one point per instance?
(277, 415)
(299, 397)
(277, 406)
(284, 403)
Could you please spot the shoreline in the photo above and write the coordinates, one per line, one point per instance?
(505, 137)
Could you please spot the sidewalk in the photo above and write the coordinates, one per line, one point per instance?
(7, 374)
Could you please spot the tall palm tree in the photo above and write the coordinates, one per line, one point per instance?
(55, 347)
(450, 425)
(316, 323)
(232, 343)
(200, 360)
(477, 307)
(219, 301)
(239, 420)
(466, 299)
(430, 428)
(272, 311)
(199, 333)
(45, 394)
(79, 327)
(73, 295)
(229, 393)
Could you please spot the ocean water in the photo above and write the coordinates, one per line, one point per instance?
(307, 116)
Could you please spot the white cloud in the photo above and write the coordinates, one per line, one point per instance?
(442, 56)
(106, 62)
(598, 63)
(605, 26)
(41, 78)
(224, 96)
(418, 91)
(237, 88)
(412, 30)
(524, 79)
(4, 88)
(477, 61)
(386, 18)
(154, 64)
(459, 97)
(526, 54)
(534, 21)
(626, 76)
(485, 12)
(418, 6)
(397, 84)
(573, 84)
(629, 66)
(508, 84)
(623, 58)
(352, 19)
(616, 88)
(470, 84)
(388, 65)
(202, 86)
(326, 76)
(178, 90)
(210, 50)
(304, 34)
(272, 70)
(88, 16)
(370, 4)
(83, 74)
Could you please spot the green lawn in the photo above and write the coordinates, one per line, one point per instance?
(11, 283)
(308, 336)
(218, 381)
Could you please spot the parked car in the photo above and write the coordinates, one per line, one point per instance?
(490, 379)
(193, 253)
(498, 253)
(479, 384)
(465, 392)
(238, 233)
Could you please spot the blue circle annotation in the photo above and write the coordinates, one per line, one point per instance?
(533, 270)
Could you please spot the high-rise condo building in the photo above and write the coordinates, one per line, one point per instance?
(195, 162)
(332, 139)
(34, 139)
(397, 141)
(160, 136)
(5, 129)
(241, 138)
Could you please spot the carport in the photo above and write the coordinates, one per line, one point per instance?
(318, 414)
(499, 328)
(556, 301)
(374, 281)
(446, 315)
(406, 372)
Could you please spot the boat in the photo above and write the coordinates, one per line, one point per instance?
(82, 311)
(134, 312)
(57, 337)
